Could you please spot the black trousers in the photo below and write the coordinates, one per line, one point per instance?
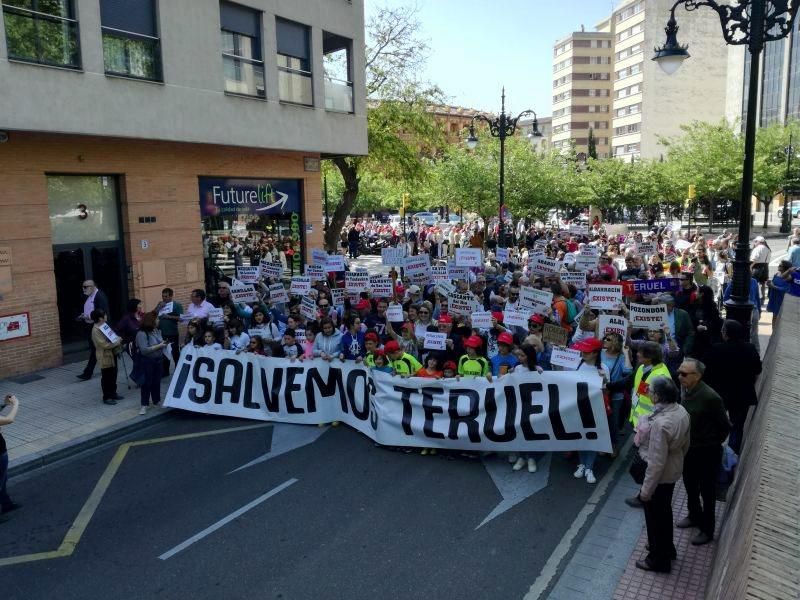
(108, 381)
(151, 388)
(700, 473)
(658, 518)
(90, 364)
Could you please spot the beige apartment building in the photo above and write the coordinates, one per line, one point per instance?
(645, 103)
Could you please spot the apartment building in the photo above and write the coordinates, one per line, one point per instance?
(645, 103)
(582, 85)
(138, 134)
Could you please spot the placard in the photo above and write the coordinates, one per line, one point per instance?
(439, 274)
(564, 357)
(394, 313)
(603, 296)
(394, 257)
(587, 263)
(417, 265)
(481, 319)
(14, 326)
(166, 309)
(271, 269)
(381, 286)
(538, 301)
(435, 341)
(469, 257)
(356, 282)
(646, 248)
(545, 266)
(110, 334)
(578, 229)
(319, 257)
(315, 272)
(577, 278)
(216, 315)
(671, 257)
(444, 288)
(308, 308)
(540, 244)
(613, 324)
(461, 304)
(337, 296)
(300, 286)
(554, 334)
(513, 317)
(652, 286)
(248, 274)
(648, 316)
(334, 263)
(277, 294)
(243, 293)
(502, 255)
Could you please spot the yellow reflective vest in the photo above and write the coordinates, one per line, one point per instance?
(641, 404)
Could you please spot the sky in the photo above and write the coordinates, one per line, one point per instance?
(479, 46)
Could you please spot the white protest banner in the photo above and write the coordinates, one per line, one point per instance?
(578, 279)
(393, 257)
(547, 412)
(603, 295)
(587, 263)
(648, 316)
(271, 269)
(215, 315)
(308, 308)
(564, 357)
(337, 297)
(300, 285)
(277, 294)
(243, 293)
(439, 274)
(418, 264)
(578, 229)
(646, 248)
(681, 245)
(613, 324)
(538, 301)
(110, 334)
(469, 257)
(545, 266)
(381, 286)
(434, 341)
(481, 319)
(461, 304)
(319, 257)
(394, 313)
(444, 288)
(502, 255)
(315, 272)
(166, 309)
(356, 282)
(248, 274)
(334, 263)
(513, 317)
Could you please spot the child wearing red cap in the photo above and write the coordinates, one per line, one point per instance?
(449, 370)
(472, 364)
(504, 361)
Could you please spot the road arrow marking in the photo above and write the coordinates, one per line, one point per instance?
(285, 438)
(514, 486)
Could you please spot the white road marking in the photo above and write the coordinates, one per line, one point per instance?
(222, 522)
(285, 438)
(551, 566)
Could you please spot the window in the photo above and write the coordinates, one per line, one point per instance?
(44, 32)
(772, 82)
(131, 47)
(628, 72)
(629, 91)
(635, 49)
(338, 79)
(627, 129)
(294, 63)
(631, 31)
(243, 67)
(629, 12)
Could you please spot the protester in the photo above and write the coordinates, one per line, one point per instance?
(106, 353)
(168, 325)
(759, 262)
(95, 299)
(129, 324)
(780, 284)
(472, 364)
(402, 363)
(199, 307)
(150, 345)
(590, 361)
(7, 505)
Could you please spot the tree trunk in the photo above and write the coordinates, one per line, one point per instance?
(351, 180)
(766, 202)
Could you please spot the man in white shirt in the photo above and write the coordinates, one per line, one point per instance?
(759, 263)
(199, 307)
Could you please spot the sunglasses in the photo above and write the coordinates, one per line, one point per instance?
(685, 373)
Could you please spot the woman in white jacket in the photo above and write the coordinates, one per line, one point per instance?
(328, 344)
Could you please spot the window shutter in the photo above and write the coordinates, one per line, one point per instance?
(292, 39)
(136, 16)
(240, 19)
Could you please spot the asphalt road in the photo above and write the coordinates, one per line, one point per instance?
(335, 518)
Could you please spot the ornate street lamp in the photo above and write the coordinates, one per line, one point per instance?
(501, 127)
(786, 215)
(751, 23)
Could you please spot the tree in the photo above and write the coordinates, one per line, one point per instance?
(399, 128)
(769, 168)
(592, 150)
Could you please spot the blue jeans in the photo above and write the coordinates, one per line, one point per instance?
(586, 458)
(151, 388)
(5, 501)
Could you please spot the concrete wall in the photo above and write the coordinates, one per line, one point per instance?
(190, 105)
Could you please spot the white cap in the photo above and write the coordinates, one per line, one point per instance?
(759, 238)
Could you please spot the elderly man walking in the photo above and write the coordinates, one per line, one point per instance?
(709, 428)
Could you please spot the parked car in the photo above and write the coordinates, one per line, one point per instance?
(794, 209)
(427, 218)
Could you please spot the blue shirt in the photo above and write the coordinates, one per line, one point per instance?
(755, 295)
(794, 256)
(503, 364)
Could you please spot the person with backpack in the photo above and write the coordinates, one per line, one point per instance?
(561, 307)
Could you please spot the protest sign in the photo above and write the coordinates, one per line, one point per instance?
(587, 263)
(603, 295)
(215, 315)
(319, 257)
(308, 308)
(271, 269)
(381, 286)
(469, 257)
(418, 265)
(457, 273)
(652, 286)
(613, 324)
(538, 301)
(393, 257)
(315, 272)
(502, 255)
(243, 292)
(394, 313)
(277, 294)
(646, 248)
(576, 229)
(166, 309)
(461, 304)
(110, 334)
(648, 316)
(545, 266)
(337, 297)
(444, 288)
(668, 258)
(516, 317)
(439, 274)
(334, 263)
(248, 274)
(554, 334)
(434, 341)
(578, 279)
(564, 357)
(356, 282)
(589, 250)
(681, 245)
(481, 319)
(540, 244)
(300, 286)
(547, 412)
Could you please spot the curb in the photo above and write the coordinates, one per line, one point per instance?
(37, 460)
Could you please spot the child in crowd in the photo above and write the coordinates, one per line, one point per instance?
(289, 347)
(380, 362)
(431, 368)
(308, 343)
(449, 370)
(236, 339)
(504, 361)
(472, 364)
(210, 340)
(256, 346)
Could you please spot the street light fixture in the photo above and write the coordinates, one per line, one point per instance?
(786, 215)
(751, 23)
(501, 127)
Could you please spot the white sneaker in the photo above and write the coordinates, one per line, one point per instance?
(512, 458)
(578, 474)
(518, 465)
(590, 476)
(531, 465)
(143, 410)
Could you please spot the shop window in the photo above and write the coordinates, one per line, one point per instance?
(131, 47)
(43, 32)
(294, 63)
(338, 78)
(241, 50)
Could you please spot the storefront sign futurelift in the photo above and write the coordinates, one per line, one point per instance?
(248, 196)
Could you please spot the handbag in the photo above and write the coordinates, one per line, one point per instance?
(638, 468)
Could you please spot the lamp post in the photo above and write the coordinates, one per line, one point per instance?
(751, 23)
(786, 215)
(501, 127)
(325, 192)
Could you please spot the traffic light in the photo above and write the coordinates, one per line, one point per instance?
(406, 203)
(692, 192)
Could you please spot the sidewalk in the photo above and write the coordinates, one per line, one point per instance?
(58, 411)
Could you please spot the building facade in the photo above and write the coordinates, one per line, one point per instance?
(140, 135)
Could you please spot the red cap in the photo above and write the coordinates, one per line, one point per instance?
(590, 344)
(379, 352)
(537, 319)
(497, 316)
(372, 336)
(408, 326)
(391, 346)
(445, 319)
(473, 341)
(363, 305)
(449, 365)
(505, 338)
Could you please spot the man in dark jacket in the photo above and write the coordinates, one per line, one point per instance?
(95, 300)
(732, 369)
(709, 428)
